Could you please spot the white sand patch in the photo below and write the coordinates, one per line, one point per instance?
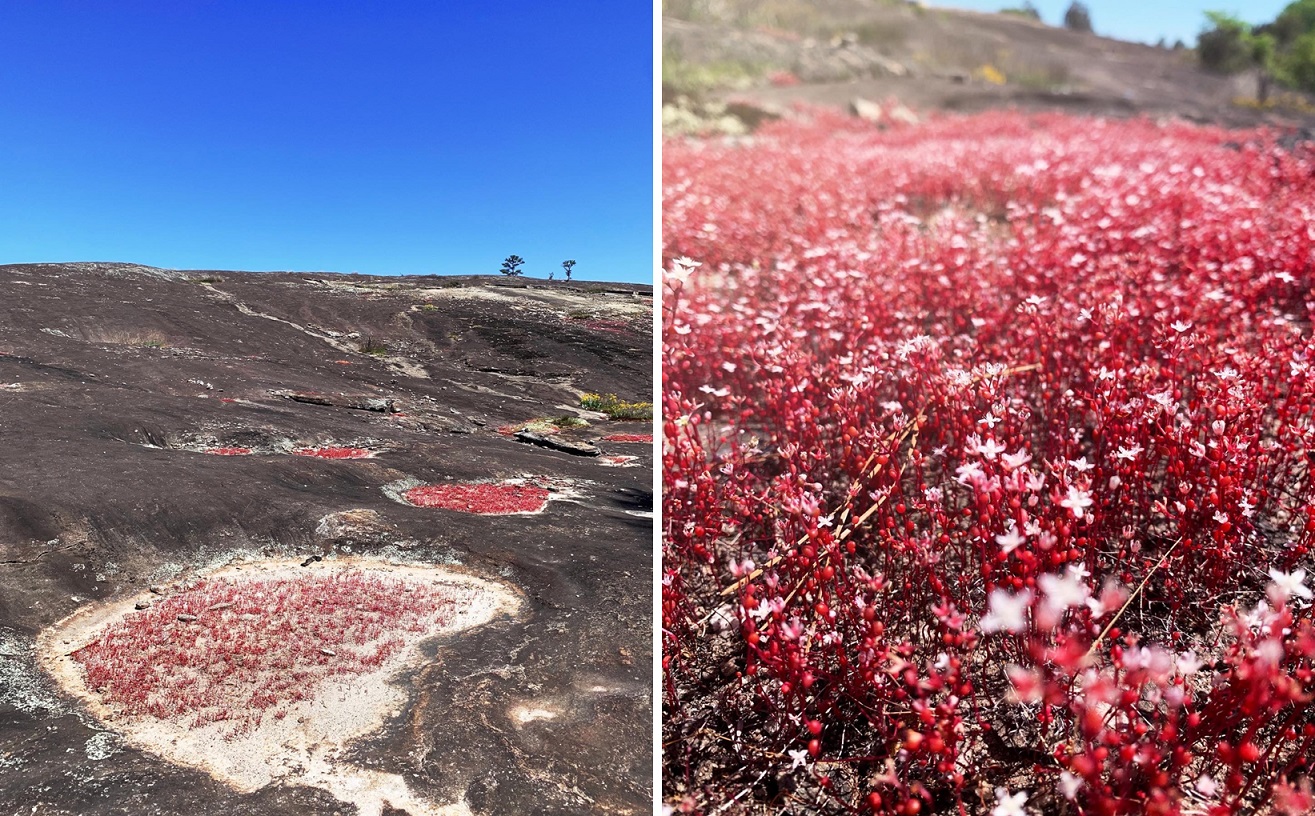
(559, 301)
(530, 713)
(304, 746)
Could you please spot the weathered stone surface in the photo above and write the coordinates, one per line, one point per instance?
(557, 443)
(99, 500)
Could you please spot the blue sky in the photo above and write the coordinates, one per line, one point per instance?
(1137, 19)
(401, 137)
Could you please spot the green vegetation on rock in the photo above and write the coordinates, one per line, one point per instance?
(1281, 52)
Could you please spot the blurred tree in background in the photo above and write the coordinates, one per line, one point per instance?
(1078, 17)
(1281, 52)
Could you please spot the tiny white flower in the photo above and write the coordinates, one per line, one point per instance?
(1260, 616)
(1128, 454)
(969, 472)
(741, 568)
(1206, 786)
(1009, 804)
(1080, 465)
(681, 269)
(1010, 541)
(1188, 663)
(1162, 398)
(798, 758)
(1078, 501)
(1013, 461)
(1064, 593)
(1069, 785)
(1288, 584)
(1007, 612)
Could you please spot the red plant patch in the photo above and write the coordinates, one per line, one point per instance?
(331, 452)
(987, 481)
(638, 439)
(228, 451)
(614, 326)
(616, 461)
(484, 499)
(238, 650)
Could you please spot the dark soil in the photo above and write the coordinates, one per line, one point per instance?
(114, 377)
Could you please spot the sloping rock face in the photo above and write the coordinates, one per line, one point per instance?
(118, 381)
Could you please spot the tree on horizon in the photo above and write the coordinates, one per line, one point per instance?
(512, 265)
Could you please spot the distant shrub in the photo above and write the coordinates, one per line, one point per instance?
(1026, 10)
(369, 345)
(1296, 66)
(1078, 18)
(1226, 47)
(615, 407)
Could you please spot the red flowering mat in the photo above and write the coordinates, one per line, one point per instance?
(334, 453)
(233, 650)
(484, 499)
